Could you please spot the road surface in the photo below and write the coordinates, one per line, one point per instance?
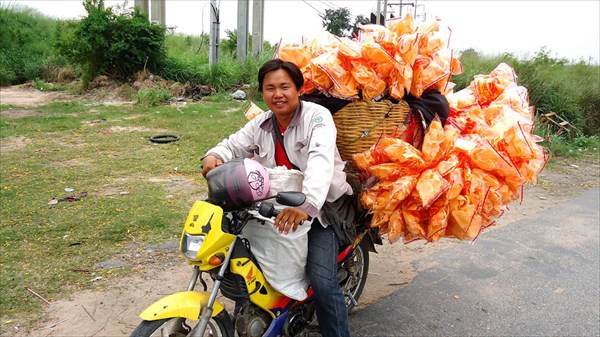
(535, 277)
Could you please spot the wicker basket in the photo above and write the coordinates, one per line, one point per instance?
(360, 124)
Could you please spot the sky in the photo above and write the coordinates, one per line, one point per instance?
(566, 29)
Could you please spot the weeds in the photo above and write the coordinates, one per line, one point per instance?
(45, 86)
(152, 97)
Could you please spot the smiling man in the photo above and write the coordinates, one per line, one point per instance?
(298, 135)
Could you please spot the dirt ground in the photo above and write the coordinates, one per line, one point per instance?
(112, 309)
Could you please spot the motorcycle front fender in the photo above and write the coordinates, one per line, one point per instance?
(183, 304)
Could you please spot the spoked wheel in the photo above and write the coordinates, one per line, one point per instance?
(354, 274)
(218, 326)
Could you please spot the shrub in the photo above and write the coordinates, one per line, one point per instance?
(24, 46)
(114, 44)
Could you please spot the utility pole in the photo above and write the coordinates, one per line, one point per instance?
(258, 23)
(242, 29)
(158, 12)
(143, 5)
(415, 5)
(213, 46)
(401, 4)
(384, 12)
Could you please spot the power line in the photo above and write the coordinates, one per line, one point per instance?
(316, 10)
(330, 4)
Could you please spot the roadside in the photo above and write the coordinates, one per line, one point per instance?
(111, 308)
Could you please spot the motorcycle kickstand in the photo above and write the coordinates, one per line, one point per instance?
(352, 299)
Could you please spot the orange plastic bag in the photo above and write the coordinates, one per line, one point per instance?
(430, 186)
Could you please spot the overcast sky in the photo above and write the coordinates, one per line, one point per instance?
(568, 29)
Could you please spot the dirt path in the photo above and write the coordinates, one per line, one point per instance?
(113, 308)
(26, 96)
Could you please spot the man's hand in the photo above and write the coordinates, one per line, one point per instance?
(210, 162)
(290, 218)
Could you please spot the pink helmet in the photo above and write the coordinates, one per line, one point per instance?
(237, 184)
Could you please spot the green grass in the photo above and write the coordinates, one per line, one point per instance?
(45, 86)
(101, 150)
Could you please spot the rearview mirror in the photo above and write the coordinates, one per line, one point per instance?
(292, 199)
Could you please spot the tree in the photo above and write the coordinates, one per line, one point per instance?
(337, 21)
(359, 20)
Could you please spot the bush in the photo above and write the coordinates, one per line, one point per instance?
(113, 44)
(24, 43)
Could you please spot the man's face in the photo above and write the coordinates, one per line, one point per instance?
(280, 93)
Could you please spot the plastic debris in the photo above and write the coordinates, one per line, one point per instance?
(70, 198)
(239, 94)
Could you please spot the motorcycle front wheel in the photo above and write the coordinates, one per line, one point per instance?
(218, 326)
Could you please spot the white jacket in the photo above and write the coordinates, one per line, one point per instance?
(310, 143)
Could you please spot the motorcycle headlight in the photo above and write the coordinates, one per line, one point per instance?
(190, 245)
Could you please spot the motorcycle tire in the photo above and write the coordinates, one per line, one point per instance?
(355, 282)
(218, 326)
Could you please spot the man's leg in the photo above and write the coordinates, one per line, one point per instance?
(332, 313)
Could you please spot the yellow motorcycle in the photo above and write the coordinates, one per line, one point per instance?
(212, 243)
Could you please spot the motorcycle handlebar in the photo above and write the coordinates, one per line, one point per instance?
(267, 210)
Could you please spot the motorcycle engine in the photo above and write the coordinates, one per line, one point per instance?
(252, 322)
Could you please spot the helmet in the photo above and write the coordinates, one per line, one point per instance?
(237, 184)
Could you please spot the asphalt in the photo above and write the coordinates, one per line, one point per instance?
(535, 277)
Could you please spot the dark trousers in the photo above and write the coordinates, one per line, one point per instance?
(321, 267)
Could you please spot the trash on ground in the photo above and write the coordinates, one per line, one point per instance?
(70, 198)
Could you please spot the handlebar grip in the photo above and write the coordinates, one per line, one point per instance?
(267, 210)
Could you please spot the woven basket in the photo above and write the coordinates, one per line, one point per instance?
(360, 124)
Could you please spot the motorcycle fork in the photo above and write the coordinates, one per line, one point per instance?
(207, 311)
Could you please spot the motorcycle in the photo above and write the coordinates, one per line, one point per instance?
(211, 242)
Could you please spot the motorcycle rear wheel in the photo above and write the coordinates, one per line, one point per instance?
(355, 282)
(180, 327)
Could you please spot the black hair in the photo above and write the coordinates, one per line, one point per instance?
(276, 64)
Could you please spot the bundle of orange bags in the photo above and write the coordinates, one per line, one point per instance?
(381, 62)
(466, 172)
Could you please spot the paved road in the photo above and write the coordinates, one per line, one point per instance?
(535, 277)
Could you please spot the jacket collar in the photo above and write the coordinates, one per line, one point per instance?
(268, 126)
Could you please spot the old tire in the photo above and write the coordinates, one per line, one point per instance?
(163, 139)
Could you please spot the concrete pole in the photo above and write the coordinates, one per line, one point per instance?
(242, 29)
(155, 11)
(213, 46)
(258, 24)
(400, 10)
(143, 5)
(377, 19)
(163, 13)
(384, 12)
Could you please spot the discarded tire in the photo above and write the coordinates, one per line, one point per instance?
(163, 139)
